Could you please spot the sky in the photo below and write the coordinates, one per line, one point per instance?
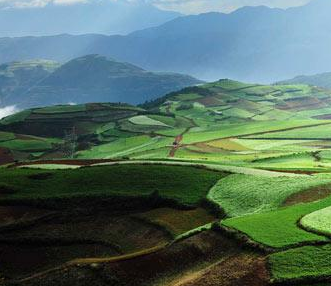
(182, 6)
(8, 110)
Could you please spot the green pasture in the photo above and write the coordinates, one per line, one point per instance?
(187, 185)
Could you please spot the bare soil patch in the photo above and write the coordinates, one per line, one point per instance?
(310, 195)
(21, 260)
(242, 269)
(146, 269)
(5, 156)
(74, 162)
(12, 214)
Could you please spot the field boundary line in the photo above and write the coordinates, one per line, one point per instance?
(81, 262)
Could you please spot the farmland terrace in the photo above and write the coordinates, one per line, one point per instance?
(226, 183)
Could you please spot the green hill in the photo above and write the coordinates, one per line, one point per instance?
(229, 122)
(93, 125)
(224, 175)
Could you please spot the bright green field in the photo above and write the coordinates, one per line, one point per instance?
(318, 221)
(145, 120)
(125, 147)
(29, 145)
(301, 263)
(316, 132)
(240, 194)
(233, 130)
(279, 228)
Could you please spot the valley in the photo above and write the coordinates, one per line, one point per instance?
(165, 143)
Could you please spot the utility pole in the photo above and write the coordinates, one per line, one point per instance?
(70, 142)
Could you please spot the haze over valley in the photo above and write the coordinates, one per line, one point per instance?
(165, 143)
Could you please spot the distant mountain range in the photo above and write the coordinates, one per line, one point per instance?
(85, 79)
(102, 17)
(255, 44)
(321, 80)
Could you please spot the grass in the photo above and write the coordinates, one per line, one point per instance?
(28, 145)
(60, 109)
(279, 145)
(240, 194)
(5, 136)
(318, 221)
(304, 160)
(311, 262)
(125, 147)
(279, 229)
(187, 185)
(236, 112)
(50, 166)
(241, 129)
(228, 144)
(316, 132)
(145, 120)
(188, 96)
(17, 117)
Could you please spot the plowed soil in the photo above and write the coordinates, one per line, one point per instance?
(310, 195)
(243, 270)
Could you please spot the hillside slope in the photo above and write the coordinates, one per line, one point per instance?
(322, 80)
(18, 77)
(91, 78)
(224, 122)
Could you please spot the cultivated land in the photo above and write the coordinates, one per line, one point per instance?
(225, 183)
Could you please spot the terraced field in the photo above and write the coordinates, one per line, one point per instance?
(224, 184)
(108, 217)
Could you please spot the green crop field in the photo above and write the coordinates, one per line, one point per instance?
(30, 144)
(145, 120)
(318, 221)
(243, 194)
(61, 109)
(301, 263)
(6, 136)
(279, 228)
(227, 172)
(187, 185)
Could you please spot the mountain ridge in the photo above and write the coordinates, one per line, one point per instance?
(86, 79)
(91, 17)
(256, 44)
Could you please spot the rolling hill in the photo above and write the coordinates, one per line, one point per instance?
(85, 79)
(17, 77)
(322, 80)
(243, 188)
(225, 121)
(254, 44)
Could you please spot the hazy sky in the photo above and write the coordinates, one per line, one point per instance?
(183, 6)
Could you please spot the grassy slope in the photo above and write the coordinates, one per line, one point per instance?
(240, 194)
(233, 130)
(279, 228)
(301, 263)
(185, 184)
(319, 221)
